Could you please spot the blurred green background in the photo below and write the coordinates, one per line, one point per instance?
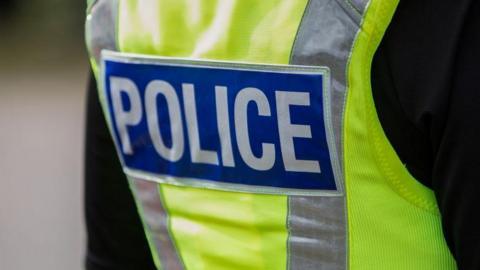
(43, 73)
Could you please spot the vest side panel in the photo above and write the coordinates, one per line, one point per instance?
(393, 223)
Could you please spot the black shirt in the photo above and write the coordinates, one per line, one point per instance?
(428, 100)
(424, 80)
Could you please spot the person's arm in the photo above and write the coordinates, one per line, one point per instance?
(116, 240)
(427, 93)
(456, 168)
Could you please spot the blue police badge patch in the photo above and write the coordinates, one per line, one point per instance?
(230, 126)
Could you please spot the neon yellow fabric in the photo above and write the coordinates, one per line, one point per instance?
(222, 230)
(218, 229)
(393, 220)
(247, 30)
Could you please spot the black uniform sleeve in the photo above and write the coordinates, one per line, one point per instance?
(426, 90)
(116, 240)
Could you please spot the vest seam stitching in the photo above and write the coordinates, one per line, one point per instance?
(385, 166)
(295, 40)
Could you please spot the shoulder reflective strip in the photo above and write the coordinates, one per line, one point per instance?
(155, 217)
(318, 225)
(100, 29)
(314, 46)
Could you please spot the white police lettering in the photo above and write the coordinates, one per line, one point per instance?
(125, 118)
(198, 155)
(153, 89)
(223, 125)
(288, 131)
(245, 96)
(248, 96)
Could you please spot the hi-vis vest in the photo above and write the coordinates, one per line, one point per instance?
(249, 135)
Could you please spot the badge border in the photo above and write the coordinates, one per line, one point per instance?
(107, 55)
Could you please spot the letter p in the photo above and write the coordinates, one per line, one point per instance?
(124, 118)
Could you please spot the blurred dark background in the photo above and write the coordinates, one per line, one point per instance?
(43, 72)
(41, 30)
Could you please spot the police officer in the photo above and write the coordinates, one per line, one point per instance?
(314, 169)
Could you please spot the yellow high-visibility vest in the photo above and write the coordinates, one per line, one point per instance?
(372, 215)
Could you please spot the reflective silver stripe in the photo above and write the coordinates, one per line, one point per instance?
(100, 27)
(317, 233)
(325, 38)
(360, 5)
(155, 218)
(100, 34)
(317, 225)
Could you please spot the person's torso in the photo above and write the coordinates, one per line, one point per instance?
(250, 138)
